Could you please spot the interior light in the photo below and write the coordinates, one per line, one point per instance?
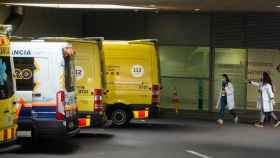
(80, 6)
(152, 6)
(197, 9)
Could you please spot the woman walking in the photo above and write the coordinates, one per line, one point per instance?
(226, 99)
(266, 100)
(258, 85)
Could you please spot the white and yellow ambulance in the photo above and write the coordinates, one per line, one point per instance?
(8, 117)
(132, 80)
(45, 77)
(89, 79)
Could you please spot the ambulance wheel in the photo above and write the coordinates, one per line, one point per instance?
(120, 117)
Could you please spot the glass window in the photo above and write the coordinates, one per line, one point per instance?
(192, 93)
(232, 62)
(260, 60)
(6, 78)
(183, 61)
(24, 69)
(184, 70)
(69, 73)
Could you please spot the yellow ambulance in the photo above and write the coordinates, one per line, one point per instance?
(8, 116)
(132, 80)
(89, 80)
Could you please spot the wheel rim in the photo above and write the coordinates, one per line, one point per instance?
(119, 117)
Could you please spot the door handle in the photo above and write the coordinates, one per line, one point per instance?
(6, 111)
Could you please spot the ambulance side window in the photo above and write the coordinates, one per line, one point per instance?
(24, 69)
(6, 80)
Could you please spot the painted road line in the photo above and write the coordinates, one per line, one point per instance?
(197, 154)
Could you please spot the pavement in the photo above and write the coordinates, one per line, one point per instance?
(159, 139)
(245, 116)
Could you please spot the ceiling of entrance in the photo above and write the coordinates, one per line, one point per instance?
(179, 5)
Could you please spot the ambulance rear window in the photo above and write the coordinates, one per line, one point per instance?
(6, 78)
(69, 73)
(24, 69)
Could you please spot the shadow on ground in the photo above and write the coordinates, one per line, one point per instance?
(99, 136)
(163, 126)
(53, 147)
(45, 147)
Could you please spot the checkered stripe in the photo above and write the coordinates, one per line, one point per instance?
(7, 135)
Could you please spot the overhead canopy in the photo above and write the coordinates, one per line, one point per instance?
(173, 5)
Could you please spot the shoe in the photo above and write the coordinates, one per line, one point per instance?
(220, 121)
(277, 124)
(259, 125)
(236, 120)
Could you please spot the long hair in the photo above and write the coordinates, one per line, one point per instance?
(267, 79)
(226, 77)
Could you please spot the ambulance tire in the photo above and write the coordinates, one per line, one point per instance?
(120, 117)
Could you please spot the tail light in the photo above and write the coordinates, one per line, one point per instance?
(155, 95)
(98, 100)
(60, 103)
(82, 122)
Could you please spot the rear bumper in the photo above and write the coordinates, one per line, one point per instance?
(53, 129)
(96, 119)
(153, 110)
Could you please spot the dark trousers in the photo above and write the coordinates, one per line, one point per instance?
(266, 114)
(223, 104)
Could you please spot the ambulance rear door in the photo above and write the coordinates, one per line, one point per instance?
(24, 70)
(84, 63)
(44, 103)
